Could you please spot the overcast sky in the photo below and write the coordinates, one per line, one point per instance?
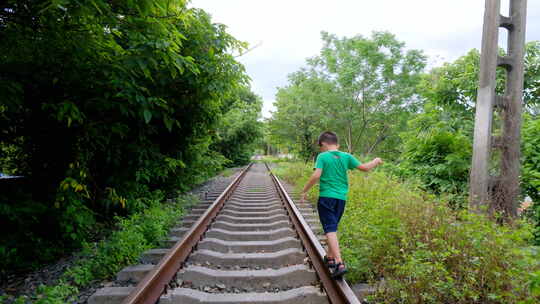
(286, 32)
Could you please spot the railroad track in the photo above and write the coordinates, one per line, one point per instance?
(251, 244)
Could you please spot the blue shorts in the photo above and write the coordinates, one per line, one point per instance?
(330, 212)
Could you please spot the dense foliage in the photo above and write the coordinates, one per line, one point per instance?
(425, 251)
(446, 122)
(531, 167)
(104, 102)
(439, 156)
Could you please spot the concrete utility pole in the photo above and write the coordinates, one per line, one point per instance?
(499, 192)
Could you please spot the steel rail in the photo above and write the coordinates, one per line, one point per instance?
(338, 291)
(152, 286)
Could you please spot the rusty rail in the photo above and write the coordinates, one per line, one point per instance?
(156, 281)
(338, 291)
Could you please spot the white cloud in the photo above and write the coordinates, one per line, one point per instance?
(289, 31)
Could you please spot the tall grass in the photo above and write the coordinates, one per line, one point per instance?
(424, 251)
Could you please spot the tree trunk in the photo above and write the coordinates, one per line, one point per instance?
(379, 140)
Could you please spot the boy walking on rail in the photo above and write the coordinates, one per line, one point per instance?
(331, 169)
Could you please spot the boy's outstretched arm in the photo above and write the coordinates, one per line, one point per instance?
(370, 165)
(312, 180)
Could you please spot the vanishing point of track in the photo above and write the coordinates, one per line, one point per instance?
(252, 244)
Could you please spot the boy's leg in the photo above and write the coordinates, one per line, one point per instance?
(333, 246)
(331, 237)
(330, 212)
(325, 209)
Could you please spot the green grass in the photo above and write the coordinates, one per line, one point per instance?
(227, 172)
(425, 251)
(102, 260)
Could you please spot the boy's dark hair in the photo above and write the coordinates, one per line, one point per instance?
(328, 137)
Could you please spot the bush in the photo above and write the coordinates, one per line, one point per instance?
(437, 152)
(425, 251)
(101, 260)
(530, 179)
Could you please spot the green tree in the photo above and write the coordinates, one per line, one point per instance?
(107, 101)
(240, 129)
(362, 88)
(531, 96)
(299, 117)
(376, 80)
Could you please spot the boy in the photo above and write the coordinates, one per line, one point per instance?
(331, 169)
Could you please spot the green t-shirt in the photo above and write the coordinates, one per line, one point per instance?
(334, 182)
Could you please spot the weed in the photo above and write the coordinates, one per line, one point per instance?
(426, 251)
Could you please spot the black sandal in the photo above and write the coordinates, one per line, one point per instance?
(339, 271)
(330, 263)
